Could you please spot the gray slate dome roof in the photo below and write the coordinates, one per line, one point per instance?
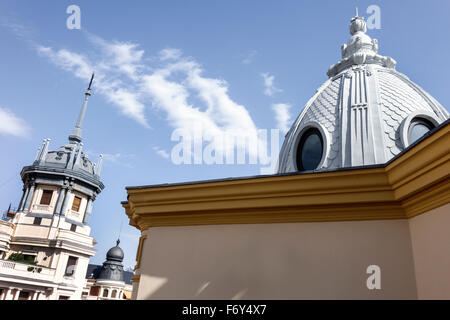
(61, 158)
(363, 113)
(115, 254)
(112, 269)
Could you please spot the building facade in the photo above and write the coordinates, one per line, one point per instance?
(359, 207)
(45, 245)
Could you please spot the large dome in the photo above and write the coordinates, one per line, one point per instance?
(365, 113)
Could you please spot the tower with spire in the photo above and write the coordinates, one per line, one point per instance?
(51, 227)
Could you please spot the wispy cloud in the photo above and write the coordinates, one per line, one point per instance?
(170, 83)
(161, 152)
(249, 58)
(170, 54)
(120, 61)
(119, 159)
(269, 87)
(282, 116)
(114, 158)
(11, 124)
(17, 27)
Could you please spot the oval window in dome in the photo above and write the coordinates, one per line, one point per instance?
(418, 128)
(309, 150)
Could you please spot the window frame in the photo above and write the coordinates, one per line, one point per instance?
(46, 191)
(79, 204)
(299, 131)
(300, 144)
(404, 128)
(419, 121)
(66, 273)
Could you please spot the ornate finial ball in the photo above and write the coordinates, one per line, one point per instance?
(357, 24)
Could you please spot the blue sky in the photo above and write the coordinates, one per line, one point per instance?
(161, 64)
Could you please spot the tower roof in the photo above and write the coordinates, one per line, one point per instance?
(115, 253)
(112, 269)
(362, 115)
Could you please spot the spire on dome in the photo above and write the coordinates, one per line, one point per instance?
(76, 133)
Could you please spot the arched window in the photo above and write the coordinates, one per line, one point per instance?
(114, 293)
(309, 150)
(105, 293)
(417, 128)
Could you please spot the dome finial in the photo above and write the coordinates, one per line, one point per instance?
(117, 242)
(357, 24)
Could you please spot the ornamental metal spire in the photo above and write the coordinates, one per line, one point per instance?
(76, 133)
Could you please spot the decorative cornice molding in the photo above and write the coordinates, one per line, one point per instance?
(71, 175)
(414, 182)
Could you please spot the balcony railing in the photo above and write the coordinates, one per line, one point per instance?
(75, 236)
(8, 267)
(42, 208)
(74, 214)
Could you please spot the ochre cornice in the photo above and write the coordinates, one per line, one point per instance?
(413, 183)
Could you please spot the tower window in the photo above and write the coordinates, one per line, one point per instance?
(309, 150)
(418, 128)
(70, 268)
(37, 221)
(46, 197)
(73, 227)
(76, 204)
(105, 293)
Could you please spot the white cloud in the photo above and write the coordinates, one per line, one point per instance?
(282, 116)
(172, 84)
(220, 114)
(121, 60)
(269, 87)
(161, 152)
(11, 124)
(170, 54)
